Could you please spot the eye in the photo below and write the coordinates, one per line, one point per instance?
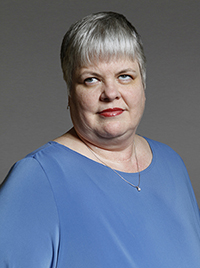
(90, 80)
(125, 77)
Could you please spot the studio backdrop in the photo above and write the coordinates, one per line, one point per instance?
(33, 95)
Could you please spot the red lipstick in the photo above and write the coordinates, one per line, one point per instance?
(111, 112)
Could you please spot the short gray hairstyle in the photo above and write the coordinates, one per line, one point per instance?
(100, 36)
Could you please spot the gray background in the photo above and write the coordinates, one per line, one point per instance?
(33, 96)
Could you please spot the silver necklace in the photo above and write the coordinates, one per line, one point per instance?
(135, 186)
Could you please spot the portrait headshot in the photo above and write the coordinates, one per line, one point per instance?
(99, 134)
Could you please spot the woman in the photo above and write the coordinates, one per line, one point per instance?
(100, 195)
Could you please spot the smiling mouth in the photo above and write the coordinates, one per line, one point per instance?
(111, 112)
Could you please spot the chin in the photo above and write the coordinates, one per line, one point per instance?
(113, 131)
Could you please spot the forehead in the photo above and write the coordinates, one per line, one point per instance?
(109, 65)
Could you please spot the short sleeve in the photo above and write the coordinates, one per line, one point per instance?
(29, 225)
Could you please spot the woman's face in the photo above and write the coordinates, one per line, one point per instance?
(107, 100)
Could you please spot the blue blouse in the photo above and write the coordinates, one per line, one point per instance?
(60, 209)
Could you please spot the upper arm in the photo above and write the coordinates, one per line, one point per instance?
(29, 227)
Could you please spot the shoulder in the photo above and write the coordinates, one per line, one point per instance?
(165, 153)
(40, 160)
(26, 185)
(168, 162)
(29, 217)
(28, 178)
(22, 172)
(159, 146)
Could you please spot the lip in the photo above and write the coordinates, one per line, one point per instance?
(111, 112)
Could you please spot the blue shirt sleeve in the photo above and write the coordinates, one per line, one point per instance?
(29, 224)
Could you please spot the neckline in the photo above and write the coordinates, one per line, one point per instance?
(101, 164)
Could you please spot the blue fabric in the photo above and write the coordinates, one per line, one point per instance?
(60, 209)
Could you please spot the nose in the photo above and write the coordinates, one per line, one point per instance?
(110, 92)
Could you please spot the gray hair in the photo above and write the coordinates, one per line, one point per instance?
(100, 36)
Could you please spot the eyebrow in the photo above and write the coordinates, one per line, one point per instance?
(97, 74)
(127, 70)
(88, 73)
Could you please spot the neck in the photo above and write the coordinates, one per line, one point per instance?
(122, 158)
(119, 158)
(135, 186)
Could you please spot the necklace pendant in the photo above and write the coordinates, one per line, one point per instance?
(138, 188)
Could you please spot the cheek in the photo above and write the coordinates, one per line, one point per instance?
(84, 101)
(137, 99)
(143, 97)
